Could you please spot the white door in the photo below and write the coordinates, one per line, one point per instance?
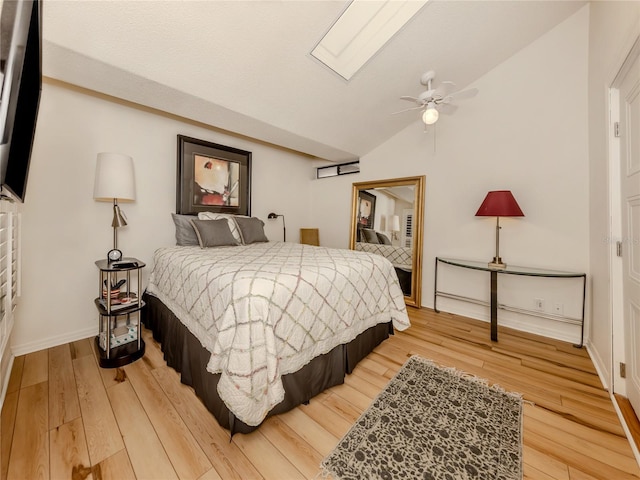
(629, 127)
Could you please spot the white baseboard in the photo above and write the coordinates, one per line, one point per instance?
(627, 432)
(599, 364)
(31, 347)
(600, 369)
(524, 326)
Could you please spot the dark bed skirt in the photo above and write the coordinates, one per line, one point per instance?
(184, 353)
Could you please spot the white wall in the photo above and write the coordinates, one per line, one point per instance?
(526, 131)
(64, 230)
(613, 28)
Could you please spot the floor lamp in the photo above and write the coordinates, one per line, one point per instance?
(499, 203)
(271, 216)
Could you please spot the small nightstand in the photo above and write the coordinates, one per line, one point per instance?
(119, 340)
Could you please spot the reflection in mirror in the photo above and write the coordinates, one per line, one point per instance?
(386, 219)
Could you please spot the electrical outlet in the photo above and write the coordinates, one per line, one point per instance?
(558, 308)
(538, 304)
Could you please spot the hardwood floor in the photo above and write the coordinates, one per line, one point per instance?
(632, 421)
(65, 418)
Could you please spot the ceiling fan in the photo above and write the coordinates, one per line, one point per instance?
(434, 101)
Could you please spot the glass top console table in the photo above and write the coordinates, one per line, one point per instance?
(509, 270)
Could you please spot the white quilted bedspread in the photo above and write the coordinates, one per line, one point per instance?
(398, 256)
(266, 309)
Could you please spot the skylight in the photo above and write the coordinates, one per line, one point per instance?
(363, 29)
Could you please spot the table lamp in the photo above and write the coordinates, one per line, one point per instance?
(499, 203)
(395, 226)
(114, 181)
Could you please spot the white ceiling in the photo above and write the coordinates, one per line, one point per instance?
(245, 67)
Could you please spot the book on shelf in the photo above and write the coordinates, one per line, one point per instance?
(122, 301)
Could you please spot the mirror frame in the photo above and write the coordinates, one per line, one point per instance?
(418, 211)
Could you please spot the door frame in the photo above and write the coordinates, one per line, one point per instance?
(618, 354)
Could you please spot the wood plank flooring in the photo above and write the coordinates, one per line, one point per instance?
(65, 418)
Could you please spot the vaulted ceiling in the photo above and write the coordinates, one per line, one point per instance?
(245, 67)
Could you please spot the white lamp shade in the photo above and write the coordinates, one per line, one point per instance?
(430, 115)
(395, 223)
(114, 177)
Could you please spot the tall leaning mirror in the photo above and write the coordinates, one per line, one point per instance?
(386, 219)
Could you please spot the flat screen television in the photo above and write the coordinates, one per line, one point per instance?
(21, 78)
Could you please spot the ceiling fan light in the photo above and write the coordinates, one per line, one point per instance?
(430, 115)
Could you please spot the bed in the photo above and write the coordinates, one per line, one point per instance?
(257, 329)
(400, 258)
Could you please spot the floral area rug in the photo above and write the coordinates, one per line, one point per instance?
(433, 423)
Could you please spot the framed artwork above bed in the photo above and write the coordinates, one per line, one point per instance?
(212, 178)
(366, 209)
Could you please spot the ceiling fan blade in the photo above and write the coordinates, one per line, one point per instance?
(444, 89)
(412, 99)
(408, 109)
(470, 93)
(446, 108)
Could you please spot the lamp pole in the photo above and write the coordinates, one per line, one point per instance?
(497, 261)
(284, 228)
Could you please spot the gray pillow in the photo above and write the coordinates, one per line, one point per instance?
(383, 239)
(251, 230)
(233, 226)
(213, 233)
(370, 235)
(185, 233)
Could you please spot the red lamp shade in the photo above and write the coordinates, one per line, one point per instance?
(499, 203)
